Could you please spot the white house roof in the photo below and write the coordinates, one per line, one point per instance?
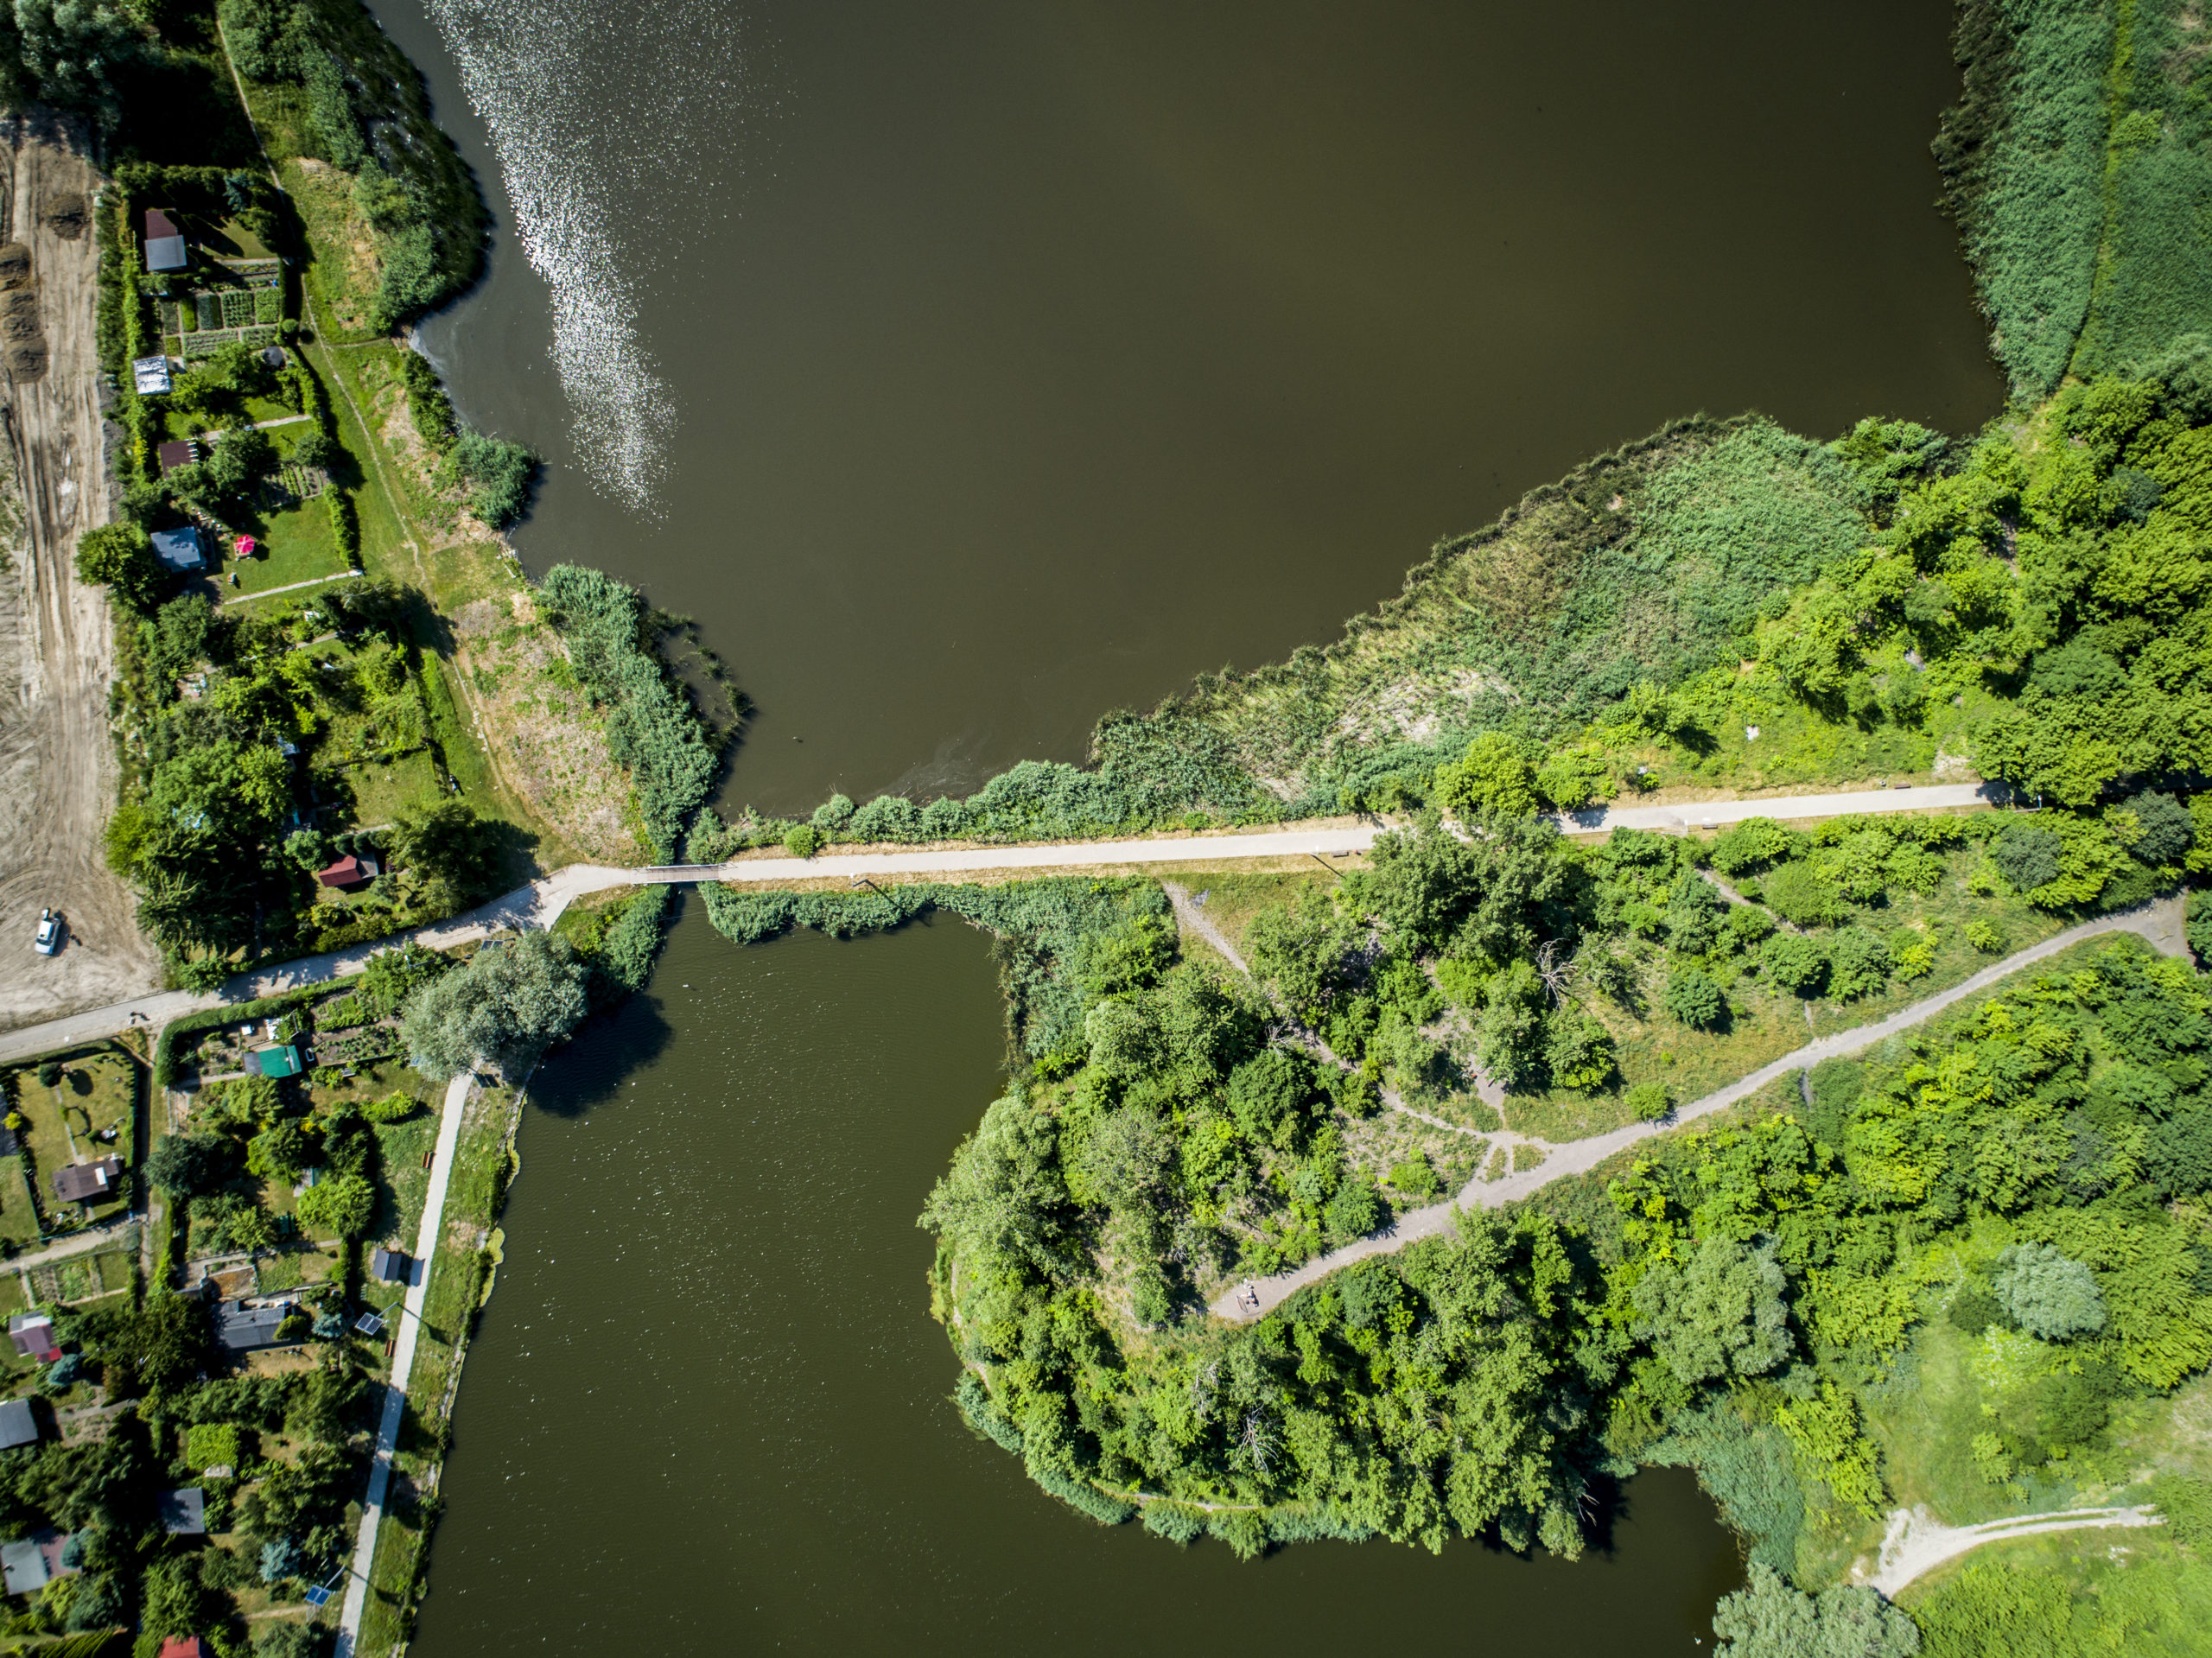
(151, 373)
(165, 253)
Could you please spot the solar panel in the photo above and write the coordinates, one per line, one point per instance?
(369, 1324)
(319, 1596)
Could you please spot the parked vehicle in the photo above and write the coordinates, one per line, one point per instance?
(49, 933)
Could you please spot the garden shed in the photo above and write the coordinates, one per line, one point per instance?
(37, 1560)
(390, 1267)
(283, 1061)
(150, 374)
(184, 1514)
(180, 549)
(17, 1425)
(241, 1328)
(89, 1183)
(349, 871)
(165, 248)
(33, 1334)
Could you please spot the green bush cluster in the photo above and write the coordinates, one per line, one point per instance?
(369, 115)
(210, 832)
(652, 726)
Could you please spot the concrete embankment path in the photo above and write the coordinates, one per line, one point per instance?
(541, 902)
(2158, 923)
(403, 1363)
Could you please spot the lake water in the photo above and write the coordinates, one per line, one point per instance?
(706, 1411)
(966, 370)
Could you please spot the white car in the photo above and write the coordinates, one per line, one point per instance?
(49, 933)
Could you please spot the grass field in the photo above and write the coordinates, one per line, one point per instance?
(296, 544)
(91, 1114)
(19, 1221)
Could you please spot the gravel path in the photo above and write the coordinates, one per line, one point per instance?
(2160, 923)
(1914, 1544)
(542, 902)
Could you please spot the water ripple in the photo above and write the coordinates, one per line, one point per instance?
(575, 153)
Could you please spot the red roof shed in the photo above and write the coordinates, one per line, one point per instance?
(186, 1646)
(348, 871)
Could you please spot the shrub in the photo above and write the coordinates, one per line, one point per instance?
(2027, 854)
(1492, 777)
(1416, 1177)
(1858, 964)
(803, 840)
(1649, 1102)
(2048, 1295)
(2185, 1501)
(1175, 1522)
(1752, 844)
(393, 1108)
(1795, 963)
(1747, 925)
(1798, 893)
(343, 1205)
(345, 524)
(1356, 1210)
(1769, 1619)
(1694, 998)
(498, 474)
(1243, 1530)
(1986, 937)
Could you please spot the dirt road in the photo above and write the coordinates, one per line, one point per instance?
(57, 760)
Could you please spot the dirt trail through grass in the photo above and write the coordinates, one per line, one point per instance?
(2159, 922)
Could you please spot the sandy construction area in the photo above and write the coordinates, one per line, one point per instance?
(57, 760)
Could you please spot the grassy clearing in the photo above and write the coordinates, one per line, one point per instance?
(1230, 900)
(19, 1216)
(1765, 1023)
(295, 544)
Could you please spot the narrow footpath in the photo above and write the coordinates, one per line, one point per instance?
(541, 902)
(403, 1363)
(2158, 923)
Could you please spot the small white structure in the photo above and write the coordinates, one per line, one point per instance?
(150, 375)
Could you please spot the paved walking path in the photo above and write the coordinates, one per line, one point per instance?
(540, 904)
(403, 1363)
(294, 587)
(2160, 923)
(1915, 1545)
